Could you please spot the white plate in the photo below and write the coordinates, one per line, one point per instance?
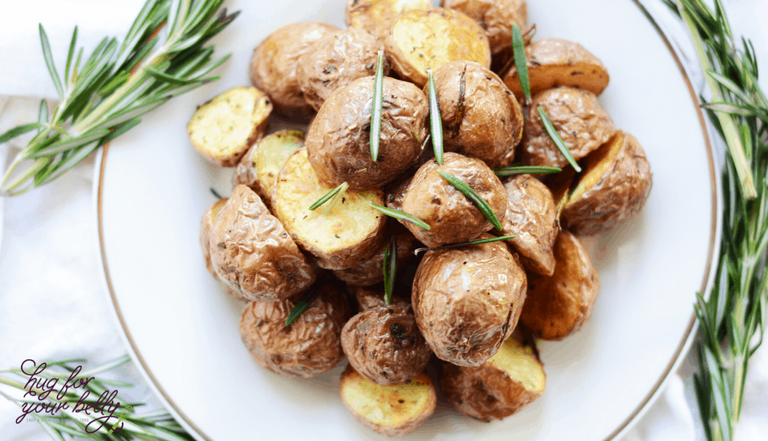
(183, 330)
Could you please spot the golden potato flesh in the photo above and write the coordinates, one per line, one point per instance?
(507, 382)
(259, 167)
(467, 300)
(614, 187)
(428, 39)
(307, 347)
(559, 305)
(378, 16)
(553, 62)
(390, 410)
(532, 219)
(579, 120)
(223, 129)
(253, 253)
(344, 236)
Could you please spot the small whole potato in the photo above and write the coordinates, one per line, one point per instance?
(274, 65)
(532, 219)
(206, 229)
(481, 117)
(467, 300)
(370, 272)
(452, 217)
(371, 298)
(253, 253)
(377, 16)
(336, 60)
(614, 187)
(579, 120)
(559, 305)
(338, 141)
(384, 344)
(307, 347)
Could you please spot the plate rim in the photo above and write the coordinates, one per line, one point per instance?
(623, 427)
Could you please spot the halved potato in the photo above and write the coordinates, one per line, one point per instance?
(206, 229)
(614, 187)
(422, 39)
(507, 382)
(347, 235)
(259, 167)
(377, 16)
(223, 129)
(391, 410)
(553, 62)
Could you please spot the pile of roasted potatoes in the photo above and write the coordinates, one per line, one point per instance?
(313, 276)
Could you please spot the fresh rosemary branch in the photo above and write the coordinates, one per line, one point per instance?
(732, 320)
(106, 95)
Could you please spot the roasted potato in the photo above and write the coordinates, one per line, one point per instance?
(481, 117)
(223, 129)
(378, 16)
(370, 272)
(428, 39)
(579, 120)
(452, 217)
(553, 62)
(467, 300)
(259, 167)
(274, 66)
(497, 18)
(338, 141)
(307, 347)
(370, 297)
(614, 187)
(384, 345)
(390, 410)
(252, 252)
(532, 219)
(336, 60)
(341, 235)
(396, 191)
(507, 382)
(206, 228)
(559, 305)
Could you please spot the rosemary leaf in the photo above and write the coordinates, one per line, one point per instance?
(390, 269)
(521, 63)
(378, 98)
(304, 303)
(470, 193)
(215, 193)
(49, 61)
(341, 188)
(435, 120)
(557, 139)
(397, 214)
(417, 251)
(20, 130)
(526, 170)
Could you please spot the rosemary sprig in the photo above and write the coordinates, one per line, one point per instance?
(390, 269)
(106, 96)
(435, 120)
(397, 214)
(378, 98)
(340, 189)
(736, 312)
(304, 303)
(521, 63)
(472, 195)
(463, 244)
(557, 139)
(526, 170)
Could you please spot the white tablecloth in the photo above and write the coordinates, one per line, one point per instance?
(52, 303)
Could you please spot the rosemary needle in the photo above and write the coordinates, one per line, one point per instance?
(557, 139)
(526, 169)
(470, 193)
(435, 120)
(397, 214)
(378, 98)
(463, 244)
(390, 269)
(521, 63)
(340, 189)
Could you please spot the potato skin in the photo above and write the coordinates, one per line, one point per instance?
(206, 229)
(558, 306)
(532, 219)
(578, 118)
(453, 218)
(370, 272)
(467, 300)
(384, 344)
(338, 141)
(309, 346)
(481, 117)
(618, 195)
(496, 17)
(553, 62)
(252, 252)
(274, 65)
(377, 16)
(336, 60)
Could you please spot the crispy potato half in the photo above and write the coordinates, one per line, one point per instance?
(613, 188)
(507, 382)
(344, 236)
(422, 39)
(377, 16)
(259, 167)
(554, 62)
(390, 410)
(223, 129)
(559, 305)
